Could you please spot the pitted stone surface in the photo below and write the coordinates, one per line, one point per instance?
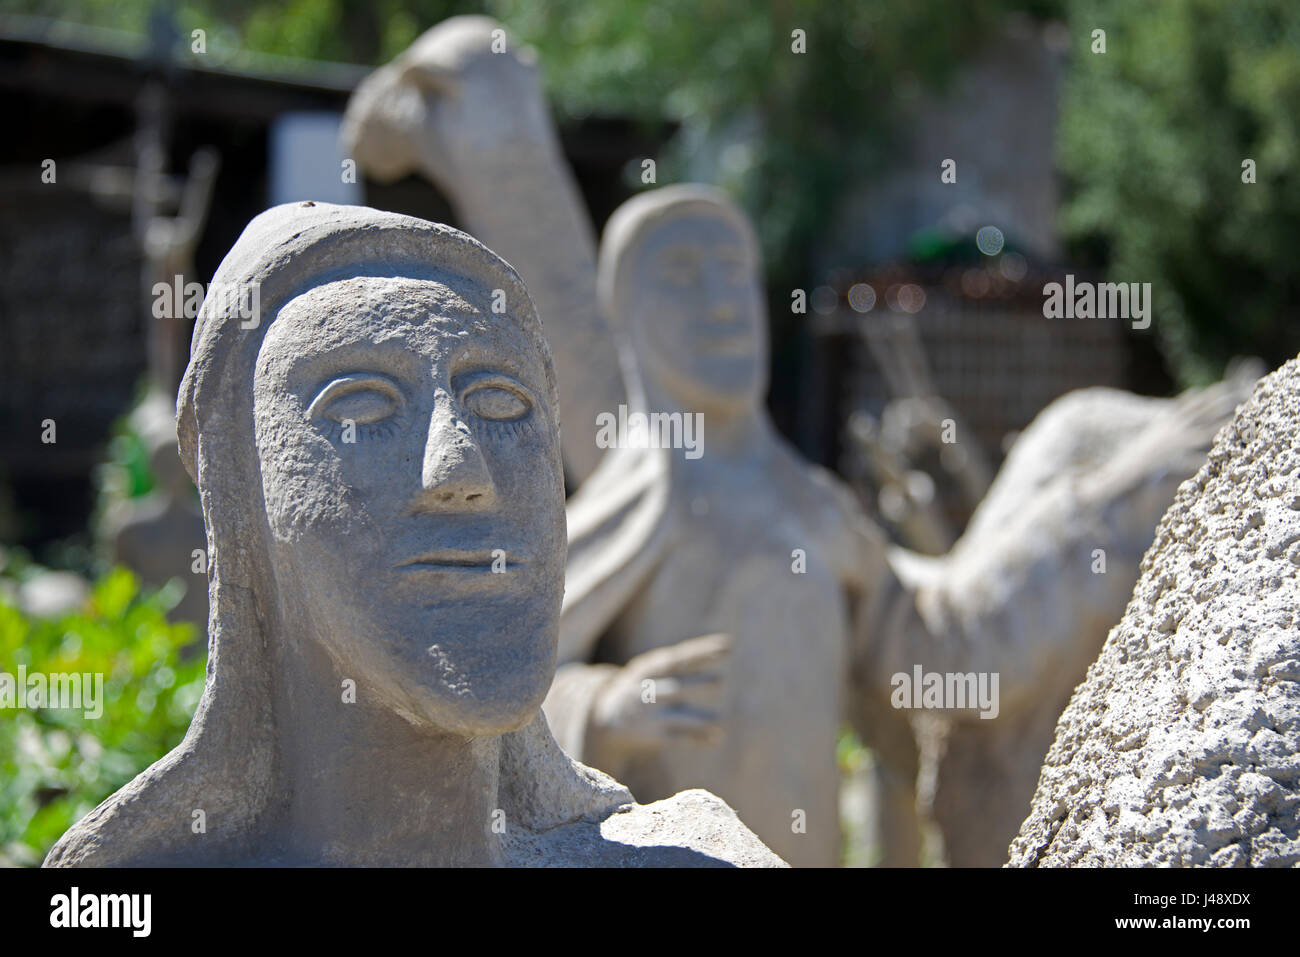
(1182, 747)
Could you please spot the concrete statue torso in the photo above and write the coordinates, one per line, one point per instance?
(737, 538)
(732, 574)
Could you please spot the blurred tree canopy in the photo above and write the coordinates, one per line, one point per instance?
(1153, 131)
(814, 121)
(1154, 134)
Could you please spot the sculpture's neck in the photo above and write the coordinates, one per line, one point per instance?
(726, 436)
(366, 788)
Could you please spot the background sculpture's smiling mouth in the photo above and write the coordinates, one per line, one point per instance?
(727, 345)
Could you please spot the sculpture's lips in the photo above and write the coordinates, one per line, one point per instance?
(731, 346)
(468, 560)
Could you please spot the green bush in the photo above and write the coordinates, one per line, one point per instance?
(55, 765)
(1154, 133)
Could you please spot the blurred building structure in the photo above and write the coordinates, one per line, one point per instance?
(73, 319)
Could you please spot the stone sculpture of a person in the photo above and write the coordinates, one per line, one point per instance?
(378, 460)
(743, 539)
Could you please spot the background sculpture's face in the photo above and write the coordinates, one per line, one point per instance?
(410, 469)
(696, 312)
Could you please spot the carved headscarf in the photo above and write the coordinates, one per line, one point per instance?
(225, 765)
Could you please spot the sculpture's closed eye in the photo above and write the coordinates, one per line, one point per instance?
(497, 404)
(362, 399)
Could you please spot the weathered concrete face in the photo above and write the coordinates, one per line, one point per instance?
(378, 460)
(1181, 746)
(697, 317)
(399, 423)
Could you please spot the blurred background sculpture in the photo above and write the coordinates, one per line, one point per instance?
(664, 548)
(378, 460)
(464, 107)
(745, 540)
(919, 472)
(160, 535)
(157, 535)
(1180, 748)
(1045, 567)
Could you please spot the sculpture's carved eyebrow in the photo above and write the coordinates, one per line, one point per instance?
(490, 373)
(476, 355)
(392, 360)
(351, 383)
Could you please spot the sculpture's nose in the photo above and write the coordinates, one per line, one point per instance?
(454, 475)
(720, 297)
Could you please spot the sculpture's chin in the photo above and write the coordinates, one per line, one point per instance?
(722, 386)
(478, 703)
(473, 720)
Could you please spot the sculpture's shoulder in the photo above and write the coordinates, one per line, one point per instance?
(829, 509)
(690, 829)
(695, 820)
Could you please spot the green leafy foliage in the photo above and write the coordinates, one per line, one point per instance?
(815, 123)
(344, 31)
(56, 765)
(126, 473)
(1154, 133)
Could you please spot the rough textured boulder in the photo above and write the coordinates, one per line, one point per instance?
(1182, 747)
